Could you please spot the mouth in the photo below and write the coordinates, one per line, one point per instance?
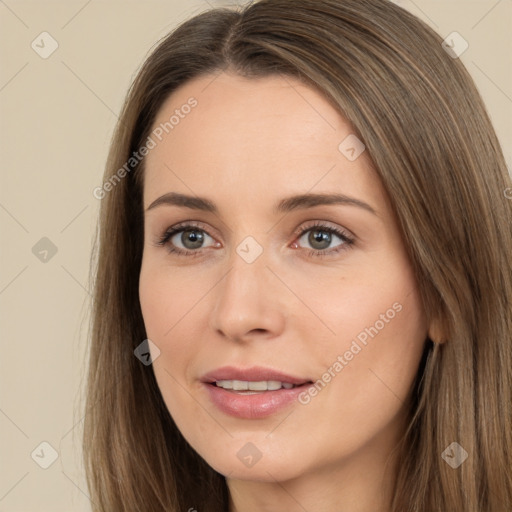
(253, 387)
(254, 392)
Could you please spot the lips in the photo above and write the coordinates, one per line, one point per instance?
(247, 403)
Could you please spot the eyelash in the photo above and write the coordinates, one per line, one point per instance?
(169, 233)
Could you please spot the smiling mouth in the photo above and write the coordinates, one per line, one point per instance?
(253, 393)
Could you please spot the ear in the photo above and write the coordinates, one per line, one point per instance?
(437, 331)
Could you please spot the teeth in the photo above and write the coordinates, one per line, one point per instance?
(273, 385)
(243, 385)
(240, 385)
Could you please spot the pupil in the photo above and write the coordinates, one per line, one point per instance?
(319, 236)
(194, 237)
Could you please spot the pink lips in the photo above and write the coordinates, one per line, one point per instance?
(252, 406)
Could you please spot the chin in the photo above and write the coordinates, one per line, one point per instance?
(244, 461)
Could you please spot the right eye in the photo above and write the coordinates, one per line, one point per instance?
(185, 239)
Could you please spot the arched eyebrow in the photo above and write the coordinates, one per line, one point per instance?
(304, 201)
(185, 201)
(297, 202)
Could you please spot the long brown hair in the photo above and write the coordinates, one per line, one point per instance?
(430, 140)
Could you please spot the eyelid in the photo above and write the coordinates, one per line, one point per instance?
(323, 224)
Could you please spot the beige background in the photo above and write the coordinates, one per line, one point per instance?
(57, 116)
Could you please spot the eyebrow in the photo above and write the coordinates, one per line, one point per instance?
(298, 202)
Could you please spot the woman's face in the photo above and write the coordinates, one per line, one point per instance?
(293, 271)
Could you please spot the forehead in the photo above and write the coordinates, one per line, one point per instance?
(246, 135)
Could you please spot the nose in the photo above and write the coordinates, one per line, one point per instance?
(249, 301)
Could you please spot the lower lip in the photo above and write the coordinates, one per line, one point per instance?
(254, 406)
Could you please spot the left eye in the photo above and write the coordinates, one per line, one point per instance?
(320, 238)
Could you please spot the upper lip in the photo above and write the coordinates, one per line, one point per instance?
(254, 374)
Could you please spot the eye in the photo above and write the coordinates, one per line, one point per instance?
(186, 239)
(321, 237)
(190, 239)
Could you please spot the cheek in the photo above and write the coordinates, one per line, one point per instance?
(167, 297)
(168, 301)
(380, 332)
(377, 299)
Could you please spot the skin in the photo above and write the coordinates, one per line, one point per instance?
(246, 145)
